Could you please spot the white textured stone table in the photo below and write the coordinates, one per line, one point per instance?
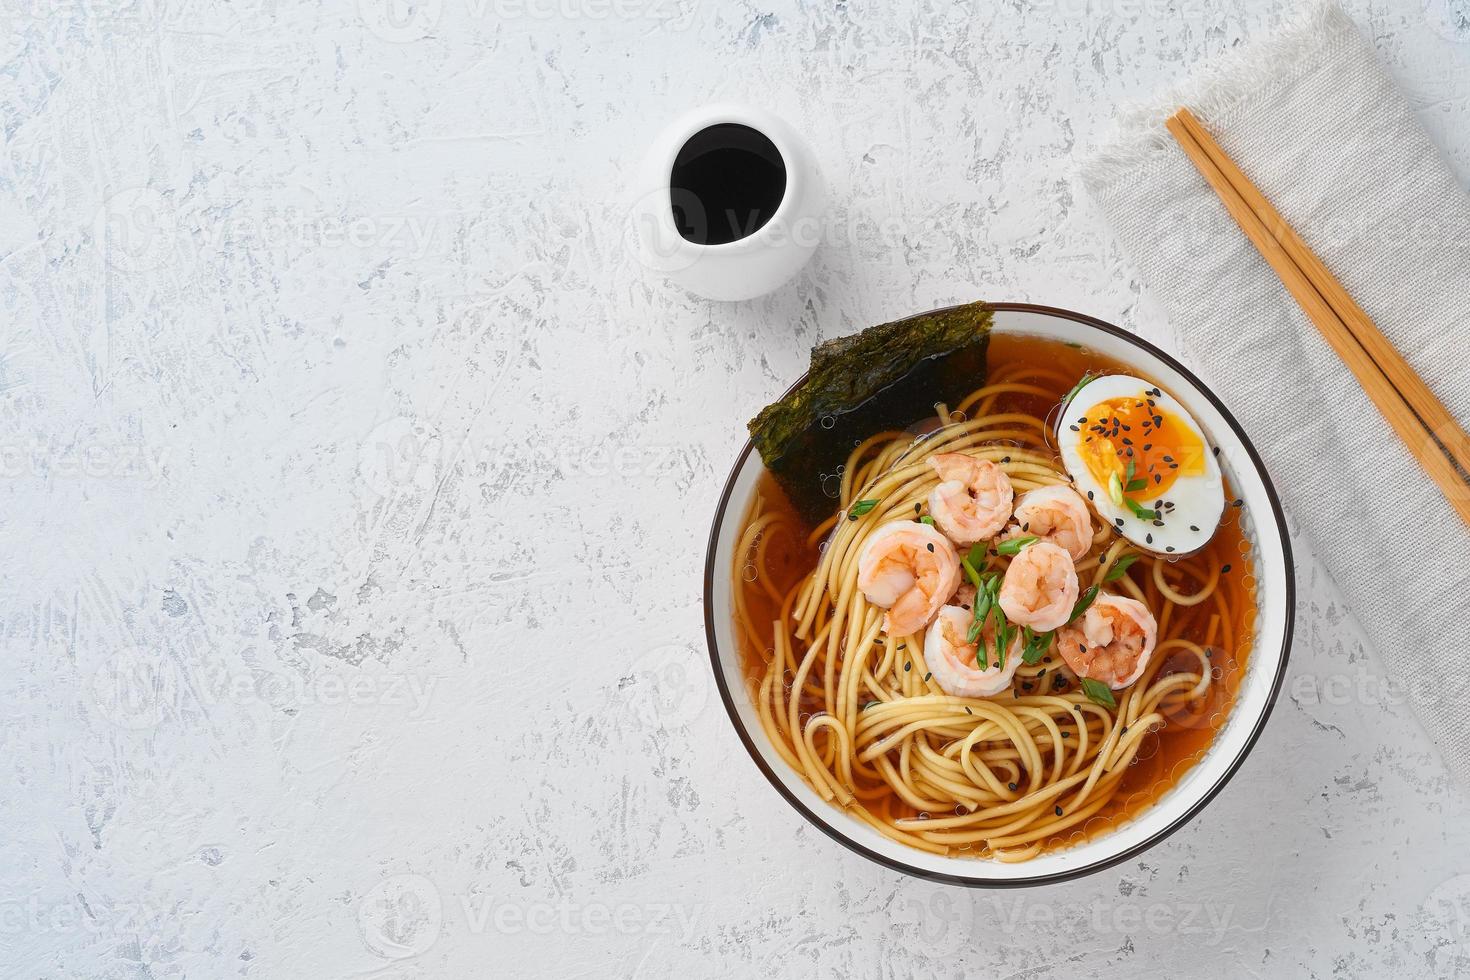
(356, 483)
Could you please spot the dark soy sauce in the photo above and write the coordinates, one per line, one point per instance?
(727, 182)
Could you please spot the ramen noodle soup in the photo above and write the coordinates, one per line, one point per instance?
(1024, 621)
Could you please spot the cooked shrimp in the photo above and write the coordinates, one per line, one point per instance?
(973, 500)
(1111, 642)
(1057, 514)
(911, 570)
(1040, 587)
(953, 662)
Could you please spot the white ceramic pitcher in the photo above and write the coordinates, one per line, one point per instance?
(746, 267)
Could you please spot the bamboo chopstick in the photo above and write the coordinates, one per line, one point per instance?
(1419, 419)
(1408, 384)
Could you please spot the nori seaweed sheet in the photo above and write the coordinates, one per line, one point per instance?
(886, 377)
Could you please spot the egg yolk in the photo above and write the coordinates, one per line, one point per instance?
(1161, 446)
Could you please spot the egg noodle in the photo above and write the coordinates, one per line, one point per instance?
(858, 715)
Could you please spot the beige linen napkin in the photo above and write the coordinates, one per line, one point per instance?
(1313, 119)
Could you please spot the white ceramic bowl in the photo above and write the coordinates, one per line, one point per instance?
(1265, 665)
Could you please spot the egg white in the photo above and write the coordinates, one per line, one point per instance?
(1199, 499)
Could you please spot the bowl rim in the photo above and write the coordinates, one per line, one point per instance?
(746, 739)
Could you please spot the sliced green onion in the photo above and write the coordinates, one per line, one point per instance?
(1115, 489)
(1120, 567)
(976, 556)
(1013, 546)
(973, 634)
(1136, 485)
(1081, 383)
(860, 508)
(1035, 645)
(970, 573)
(926, 519)
(1139, 511)
(1082, 604)
(1098, 693)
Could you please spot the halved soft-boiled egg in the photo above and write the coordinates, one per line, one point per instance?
(1143, 463)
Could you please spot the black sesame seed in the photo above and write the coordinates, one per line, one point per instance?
(1148, 538)
(1059, 811)
(1066, 734)
(1169, 548)
(1012, 787)
(1225, 570)
(1216, 450)
(909, 665)
(1074, 428)
(1194, 527)
(927, 676)
(1238, 503)
(931, 546)
(918, 508)
(968, 711)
